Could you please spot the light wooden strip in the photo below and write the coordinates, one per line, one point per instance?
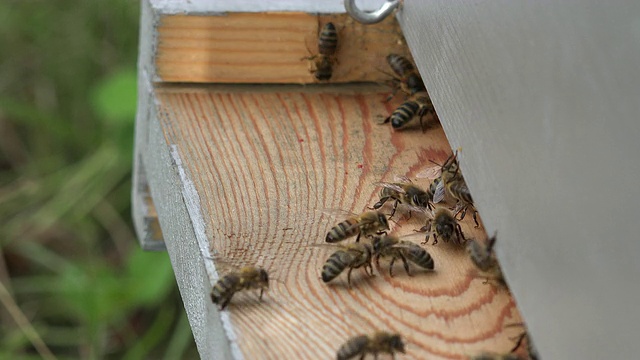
(268, 48)
(266, 162)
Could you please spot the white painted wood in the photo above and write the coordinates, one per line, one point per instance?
(212, 6)
(543, 99)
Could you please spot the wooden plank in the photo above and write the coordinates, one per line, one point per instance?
(268, 48)
(264, 163)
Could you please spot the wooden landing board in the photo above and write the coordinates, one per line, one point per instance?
(266, 162)
(268, 48)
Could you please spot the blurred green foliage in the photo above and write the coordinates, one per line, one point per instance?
(69, 259)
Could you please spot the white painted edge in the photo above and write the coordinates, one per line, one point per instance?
(192, 202)
(213, 7)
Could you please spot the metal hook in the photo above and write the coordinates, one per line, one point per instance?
(373, 17)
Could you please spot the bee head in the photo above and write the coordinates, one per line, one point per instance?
(329, 27)
(395, 342)
(264, 277)
(414, 83)
(445, 230)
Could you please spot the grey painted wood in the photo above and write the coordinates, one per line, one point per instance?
(166, 180)
(543, 98)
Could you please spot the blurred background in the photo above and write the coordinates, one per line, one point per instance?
(73, 280)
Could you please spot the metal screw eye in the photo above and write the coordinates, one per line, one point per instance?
(373, 17)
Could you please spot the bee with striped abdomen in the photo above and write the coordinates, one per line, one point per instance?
(409, 80)
(379, 342)
(324, 60)
(248, 277)
(419, 104)
(445, 225)
(455, 184)
(403, 193)
(351, 256)
(393, 247)
(367, 223)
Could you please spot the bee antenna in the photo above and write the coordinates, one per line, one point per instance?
(520, 324)
(433, 162)
(492, 241)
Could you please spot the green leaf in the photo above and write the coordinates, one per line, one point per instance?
(114, 98)
(149, 277)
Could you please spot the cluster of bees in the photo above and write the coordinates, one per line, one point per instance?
(372, 226)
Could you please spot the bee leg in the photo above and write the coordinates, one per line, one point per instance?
(519, 342)
(460, 233)
(261, 292)
(349, 277)
(395, 206)
(393, 260)
(435, 239)
(379, 204)
(358, 238)
(225, 303)
(405, 263)
(424, 129)
(409, 218)
(370, 269)
(475, 218)
(456, 210)
(394, 84)
(378, 261)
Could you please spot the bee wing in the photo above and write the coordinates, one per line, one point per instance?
(438, 194)
(432, 172)
(402, 179)
(404, 246)
(392, 186)
(225, 265)
(416, 208)
(337, 213)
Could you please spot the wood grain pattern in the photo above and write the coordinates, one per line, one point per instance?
(266, 162)
(268, 48)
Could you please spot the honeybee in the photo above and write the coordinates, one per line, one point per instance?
(482, 255)
(393, 247)
(351, 256)
(379, 342)
(446, 226)
(418, 104)
(367, 223)
(248, 277)
(409, 80)
(493, 356)
(484, 259)
(403, 193)
(324, 60)
(454, 182)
